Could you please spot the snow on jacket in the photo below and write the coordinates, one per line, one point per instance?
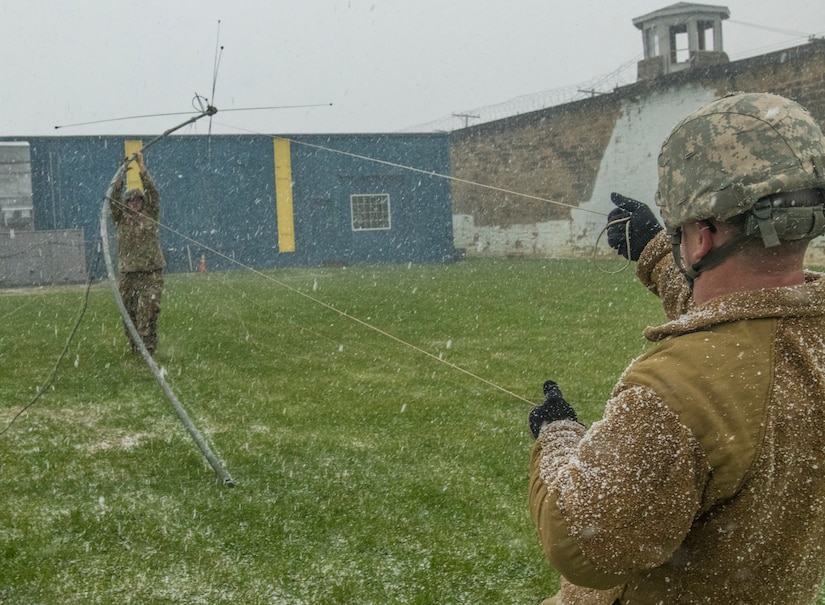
(705, 480)
(137, 234)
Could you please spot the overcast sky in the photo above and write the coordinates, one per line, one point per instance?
(367, 65)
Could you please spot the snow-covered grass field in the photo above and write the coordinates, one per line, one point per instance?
(374, 463)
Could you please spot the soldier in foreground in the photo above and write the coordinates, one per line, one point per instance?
(704, 482)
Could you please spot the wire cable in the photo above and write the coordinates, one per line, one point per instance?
(65, 350)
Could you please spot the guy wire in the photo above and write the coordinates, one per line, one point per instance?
(439, 175)
(474, 184)
(484, 186)
(360, 321)
(334, 309)
(421, 171)
(468, 182)
(352, 317)
(65, 350)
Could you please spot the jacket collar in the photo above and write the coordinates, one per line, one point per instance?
(804, 300)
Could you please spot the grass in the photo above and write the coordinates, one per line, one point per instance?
(367, 471)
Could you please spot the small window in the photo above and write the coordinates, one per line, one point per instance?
(17, 217)
(679, 44)
(705, 30)
(651, 41)
(370, 211)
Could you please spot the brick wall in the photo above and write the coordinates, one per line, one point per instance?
(538, 184)
(553, 156)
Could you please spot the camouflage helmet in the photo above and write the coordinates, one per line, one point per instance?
(724, 157)
(133, 194)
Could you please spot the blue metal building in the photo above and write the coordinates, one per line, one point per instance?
(262, 201)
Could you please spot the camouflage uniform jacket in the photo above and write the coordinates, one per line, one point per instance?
(138, 241)
(704, 482)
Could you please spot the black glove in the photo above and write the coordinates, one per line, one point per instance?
(642, 226)
(554, 408)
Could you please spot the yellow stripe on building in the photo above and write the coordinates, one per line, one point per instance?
(283, 196)
(132, 176)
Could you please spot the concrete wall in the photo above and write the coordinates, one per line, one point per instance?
(36, 258)
(544, 178)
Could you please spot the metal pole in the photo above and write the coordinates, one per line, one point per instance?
(223, 475)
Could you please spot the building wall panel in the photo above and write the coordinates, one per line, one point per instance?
(218, 196)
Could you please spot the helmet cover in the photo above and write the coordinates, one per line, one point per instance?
(718, 161)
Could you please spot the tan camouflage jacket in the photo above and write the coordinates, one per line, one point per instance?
(705, 480)
(137, 234)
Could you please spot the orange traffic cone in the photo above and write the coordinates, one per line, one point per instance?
(202, 264)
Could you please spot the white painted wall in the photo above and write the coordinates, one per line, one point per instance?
(629, 163)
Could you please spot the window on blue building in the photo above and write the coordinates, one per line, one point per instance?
(370, 212)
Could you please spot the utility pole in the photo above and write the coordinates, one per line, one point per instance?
(593, 92)
(466, 117)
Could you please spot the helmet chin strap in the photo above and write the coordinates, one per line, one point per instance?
(772, 221)
(710, 260)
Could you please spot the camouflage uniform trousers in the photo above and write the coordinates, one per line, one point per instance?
(141, 292)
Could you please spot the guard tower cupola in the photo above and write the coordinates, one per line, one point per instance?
(681, 36)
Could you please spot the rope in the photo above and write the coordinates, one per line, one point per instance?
(626, 222)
